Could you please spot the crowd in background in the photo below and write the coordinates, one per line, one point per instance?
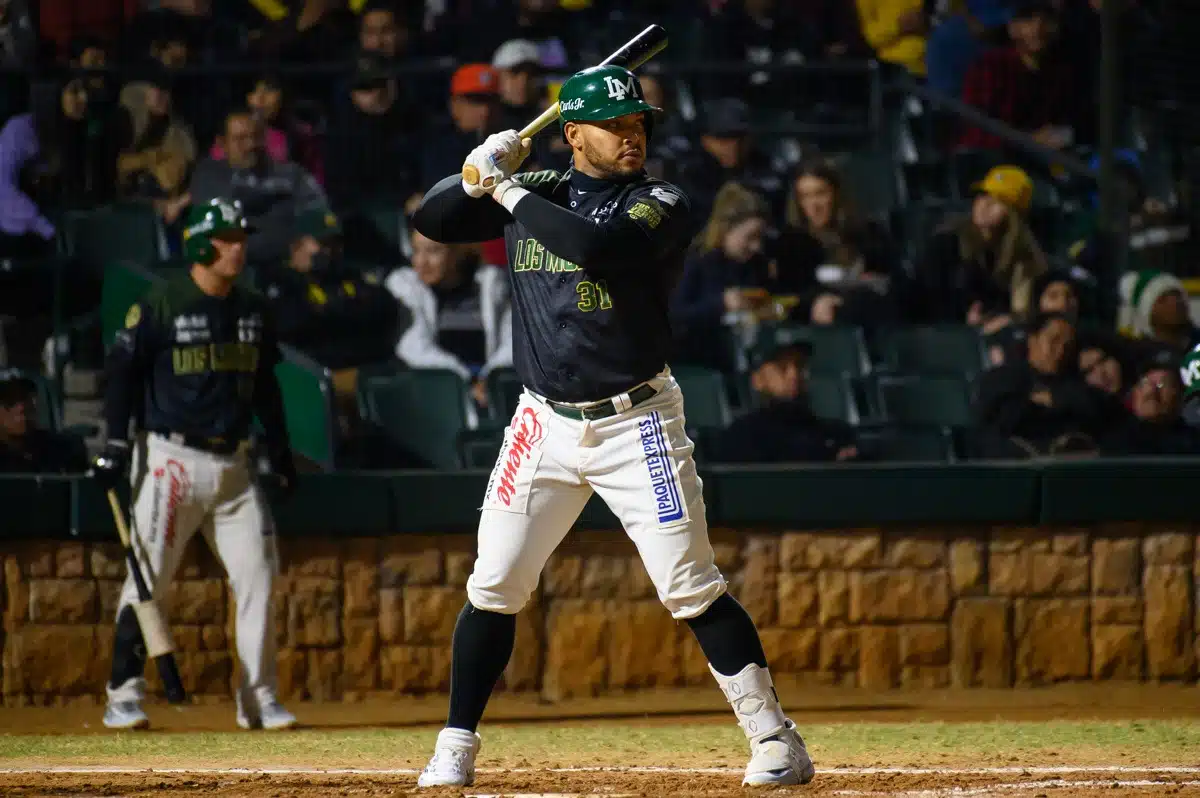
(323, 123)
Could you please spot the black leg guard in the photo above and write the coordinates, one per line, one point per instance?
(129, 651)
(728, 637)
(483, 644)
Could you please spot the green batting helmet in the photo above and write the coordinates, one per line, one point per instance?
(602, 92)
(207, 221)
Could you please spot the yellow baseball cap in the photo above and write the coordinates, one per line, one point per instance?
(1010, 185)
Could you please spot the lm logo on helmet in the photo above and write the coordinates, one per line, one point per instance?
(617, 90)
(1191, 372)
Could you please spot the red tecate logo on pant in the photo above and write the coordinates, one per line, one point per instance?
(526, 436)
(175, 495)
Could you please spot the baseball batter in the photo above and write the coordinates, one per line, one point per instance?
(593, 254)
(195, 362)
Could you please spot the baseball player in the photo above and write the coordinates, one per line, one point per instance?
(593, 254)
(1189, 373)
(194, 363)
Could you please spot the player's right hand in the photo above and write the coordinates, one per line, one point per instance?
(496, 159)
(111, 466)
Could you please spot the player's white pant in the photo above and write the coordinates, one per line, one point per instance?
(180, 490)
(639, 461)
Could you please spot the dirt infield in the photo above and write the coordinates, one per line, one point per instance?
(1105, 740)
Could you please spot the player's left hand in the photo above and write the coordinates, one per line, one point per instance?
(497, 159)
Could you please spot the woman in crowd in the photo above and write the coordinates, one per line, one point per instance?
(287, 137)
(845, 267)
(980, 268)
(461, 312)
(723, 275)
(157, 149)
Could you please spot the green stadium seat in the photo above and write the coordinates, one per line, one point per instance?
(704, 397)
(422, 412)
(926, 181)
(126, 232)
(869, 181)
(836, 350)
(893, 444)
(504, 389)
(935, 349)
(480, 448)
(832, 397)
(931, 401)
(376, 233)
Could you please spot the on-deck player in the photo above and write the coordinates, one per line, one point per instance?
(593, 255)
(197, 359)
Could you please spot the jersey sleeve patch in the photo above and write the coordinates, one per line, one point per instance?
(647, 211)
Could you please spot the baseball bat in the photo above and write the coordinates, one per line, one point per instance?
(631, 55)
(154, 629)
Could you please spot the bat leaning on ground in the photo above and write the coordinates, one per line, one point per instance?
(154, 630)
(631, 55)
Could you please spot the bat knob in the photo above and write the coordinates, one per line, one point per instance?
(488, 181)
(470, 174)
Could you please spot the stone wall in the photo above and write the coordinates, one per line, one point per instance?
(869, 608)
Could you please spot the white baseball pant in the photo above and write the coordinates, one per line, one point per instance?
(639, 461)
(179, 490)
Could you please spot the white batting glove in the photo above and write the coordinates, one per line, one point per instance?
(508, 193)
(500, 155)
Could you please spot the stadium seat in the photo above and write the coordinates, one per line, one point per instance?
(896, 444)
(422, 412)
(869, 181)
(704, 397)
(376, 233)
(504, 390)
(836, 350)
(480, 448)
(932, 401)
(933, 350)
(927, 181)
(832, 397)
(129, 232)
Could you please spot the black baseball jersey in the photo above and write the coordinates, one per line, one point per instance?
(195, 364)
(592, 264)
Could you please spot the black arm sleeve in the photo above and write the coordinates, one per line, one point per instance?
(646, 227)
(448, 215)
(126, 372)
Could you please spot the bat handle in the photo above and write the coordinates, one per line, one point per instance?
(471, 175)
(118, 517)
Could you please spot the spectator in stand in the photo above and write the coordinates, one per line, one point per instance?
(382, 31)
(980, 268)
(473, 111)
(461, 313)
(960, 36)
(1026, 85)
(726, 154)
(760, 33)
(722, 276)
(272, 194)
(286, 137)
(336, 314)
(48, 159)
(156, 148)
(896, 30)
(1101, 363)
(18, 37)
(88, 52)
(1040, 405)
(25, 449)
(475, 36)
(1058, 290)
(306, 31)
(783, 429)
(60, 21)
(669, 141)
(1154, 309)
(373, 149)
(841, 267)
(1155, 426)
(518, 73)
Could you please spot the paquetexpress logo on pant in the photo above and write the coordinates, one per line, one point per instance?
(668, 498)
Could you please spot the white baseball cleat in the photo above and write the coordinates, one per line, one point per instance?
(453, 762)
(125, 715)
(271, 716)
(781, 759)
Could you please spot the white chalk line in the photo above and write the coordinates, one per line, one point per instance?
(1021, 786)
(865, 771)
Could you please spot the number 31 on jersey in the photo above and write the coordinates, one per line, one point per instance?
(593, 295)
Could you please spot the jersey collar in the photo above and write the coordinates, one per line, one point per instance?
(581, 182)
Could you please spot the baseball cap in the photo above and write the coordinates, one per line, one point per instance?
(728, 117)
(473, 79)
(1010, 185)
(773, 340)
(1159, 358)
(320, 223)
(515, 52)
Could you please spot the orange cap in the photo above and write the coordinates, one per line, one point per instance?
(474, 79)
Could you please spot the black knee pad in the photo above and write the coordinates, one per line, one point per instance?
(129, 650)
